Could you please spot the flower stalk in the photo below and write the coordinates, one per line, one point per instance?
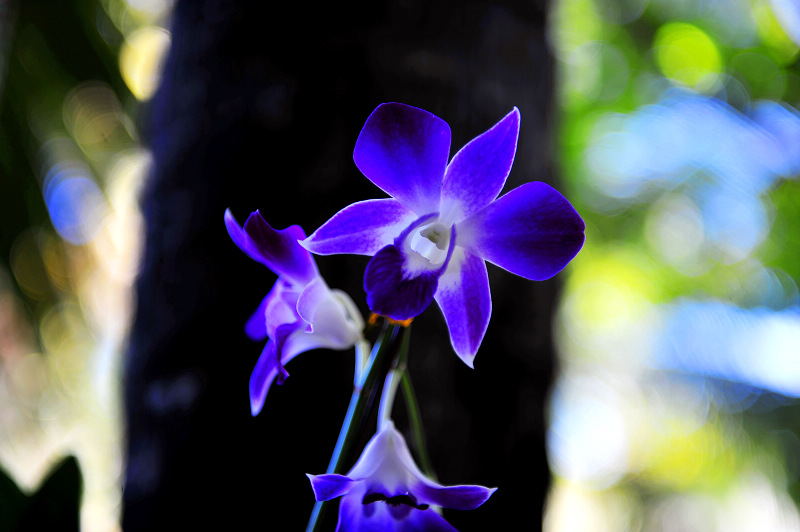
(383, 353)
(399, 377)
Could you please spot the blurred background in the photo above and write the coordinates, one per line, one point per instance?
(676, 404)
(673, 128)
(72, 163)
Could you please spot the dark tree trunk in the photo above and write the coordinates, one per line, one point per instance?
(260, 107)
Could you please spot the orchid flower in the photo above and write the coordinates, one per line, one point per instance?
(386, 491)
(299, 313)
(431, 239)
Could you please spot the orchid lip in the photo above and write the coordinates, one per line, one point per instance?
(401, 282)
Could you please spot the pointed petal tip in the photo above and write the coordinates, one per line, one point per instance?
(256, 214)
(306, 243)
(319, 246)
(255, 406)
(311, 243)
(231, 224)
(330, 485)
(489, 493)
(466, 353)
(513, 116)
(468, 359)
(461, 497)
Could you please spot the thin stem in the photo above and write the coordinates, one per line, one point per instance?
(387, 397)
(415, 420)
(385, 347)
(393, 379)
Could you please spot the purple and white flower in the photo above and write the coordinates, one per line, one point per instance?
(300, 312)
(386, 491)
(431, 238)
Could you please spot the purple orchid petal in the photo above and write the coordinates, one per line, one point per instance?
(264, 374)
(532, 231)
(465, 300)
(478, 172)
(327, 487)
(276, 309)
(399, 282)
(327, 316)
(289, 340)
(404, 151)
(352, 516)
(457, 497)
(277, 250)
(280, 306)
(311, 298)
(256, 326)
(425, 521)
(361, 228)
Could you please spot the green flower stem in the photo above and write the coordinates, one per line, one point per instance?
(383, 353)
(417, 430)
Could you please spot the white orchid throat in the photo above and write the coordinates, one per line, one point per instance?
(427, 246)
(431, 242)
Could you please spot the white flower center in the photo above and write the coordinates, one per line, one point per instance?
(432, 242)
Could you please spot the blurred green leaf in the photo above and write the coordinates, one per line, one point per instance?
(55, 506)
(12, 502)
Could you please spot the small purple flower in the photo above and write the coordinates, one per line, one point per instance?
(431, 239)
(300, 312)
(385, 490)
